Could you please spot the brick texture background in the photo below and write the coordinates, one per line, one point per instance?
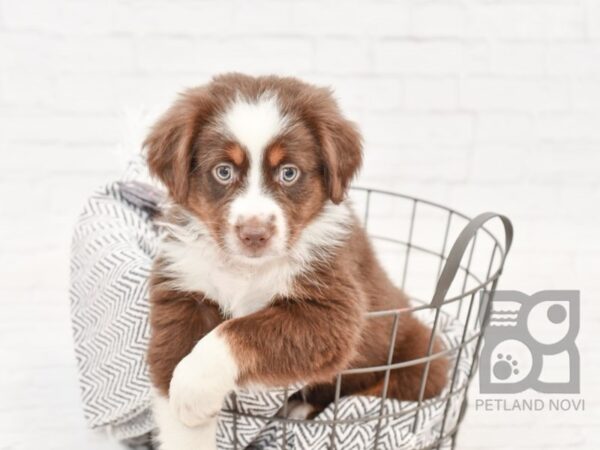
(478, 104)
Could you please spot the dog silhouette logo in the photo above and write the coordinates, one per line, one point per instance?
(530, 343)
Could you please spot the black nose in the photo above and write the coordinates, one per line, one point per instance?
(254, 234)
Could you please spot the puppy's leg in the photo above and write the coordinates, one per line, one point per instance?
(292, 340)
(179, 321)
(202, 380)
(174, 435)
(287, 342)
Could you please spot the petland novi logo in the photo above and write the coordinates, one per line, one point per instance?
(530, 344)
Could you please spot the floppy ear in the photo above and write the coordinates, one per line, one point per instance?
(342, 153)
(169, 145)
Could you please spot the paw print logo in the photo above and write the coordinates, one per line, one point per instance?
(505, 367)
(527, 338)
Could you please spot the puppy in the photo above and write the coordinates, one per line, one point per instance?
(265, 274)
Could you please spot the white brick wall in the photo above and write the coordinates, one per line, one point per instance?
(480, 104)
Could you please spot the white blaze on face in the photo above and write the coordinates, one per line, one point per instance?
(254, 124)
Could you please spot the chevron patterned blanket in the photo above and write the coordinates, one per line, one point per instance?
(113, 246)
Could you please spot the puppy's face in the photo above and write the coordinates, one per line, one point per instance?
(255, 159)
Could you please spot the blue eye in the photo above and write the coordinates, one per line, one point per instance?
(288, 174)
(223, 173)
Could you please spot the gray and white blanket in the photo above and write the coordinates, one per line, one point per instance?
(113, 246)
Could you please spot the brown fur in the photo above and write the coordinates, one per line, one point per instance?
(177, 320)
(320, 329)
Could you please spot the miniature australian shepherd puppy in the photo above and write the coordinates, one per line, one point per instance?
(265, 274)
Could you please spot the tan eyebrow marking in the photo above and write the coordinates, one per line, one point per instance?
(236, 154)
(276, 154)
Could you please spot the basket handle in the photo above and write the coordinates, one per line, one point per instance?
(458, 250)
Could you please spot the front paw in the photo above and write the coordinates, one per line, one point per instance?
(202, 380)
(189, 394)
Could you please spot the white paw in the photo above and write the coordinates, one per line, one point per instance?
(174, 435)
(202, 380)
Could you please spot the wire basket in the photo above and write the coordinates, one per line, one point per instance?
(445, 262)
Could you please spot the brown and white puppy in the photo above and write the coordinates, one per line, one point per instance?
(265, 275)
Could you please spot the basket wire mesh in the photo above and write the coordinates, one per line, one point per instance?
(458, 274)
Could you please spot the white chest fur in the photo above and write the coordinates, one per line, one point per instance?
(196, 264)
(238, 289)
